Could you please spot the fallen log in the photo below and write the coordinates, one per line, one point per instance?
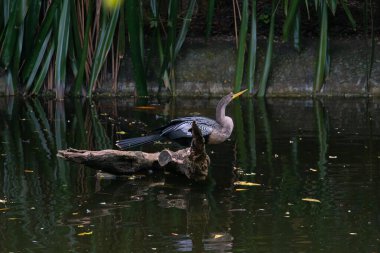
(193, 162)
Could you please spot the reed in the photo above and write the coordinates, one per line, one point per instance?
(241, 47)
(44, 43)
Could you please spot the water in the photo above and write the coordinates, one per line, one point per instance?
(295, 149)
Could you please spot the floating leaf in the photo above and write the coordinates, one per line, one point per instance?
(240, 190)
(146, 107)
(121, 132)
(85, 233)
(311, 200)
(3, 201)
(4, 209)
(245, 183)
(218, 236)
(28, 171)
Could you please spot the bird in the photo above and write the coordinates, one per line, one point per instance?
(179, 130)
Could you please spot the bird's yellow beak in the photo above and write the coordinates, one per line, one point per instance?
(238, 94)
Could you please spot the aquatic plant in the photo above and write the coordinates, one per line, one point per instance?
(73, 45)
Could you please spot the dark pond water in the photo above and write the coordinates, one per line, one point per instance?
(297, 150)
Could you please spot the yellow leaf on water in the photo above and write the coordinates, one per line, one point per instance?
(121, 132)
(311, 200)
(245, 183)
(147, 107)
(218, 236)
(85, 233)
(240, 190)
(28, 171)
(4, 209)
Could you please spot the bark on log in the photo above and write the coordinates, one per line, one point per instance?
(193, 162)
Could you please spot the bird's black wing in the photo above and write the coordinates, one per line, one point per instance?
(181, 127)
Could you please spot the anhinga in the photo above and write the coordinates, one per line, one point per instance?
(214, 131)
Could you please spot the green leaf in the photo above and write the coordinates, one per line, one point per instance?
(185, 27)
(209, 17)
(83, 57)
(332, 5)
(322, 51)
(38, 48)
(107, 31)
(37, 64)
(252, 48)
(42, 74)
(241, 48)
(61, 50)
(269, 53)
(349, 14)
(290, 18)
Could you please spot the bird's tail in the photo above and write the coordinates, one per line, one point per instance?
(134, 142)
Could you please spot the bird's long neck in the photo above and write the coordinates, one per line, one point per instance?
(221, 111)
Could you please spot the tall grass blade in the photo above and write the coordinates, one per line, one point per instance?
(297, 32)
(37, 63)
(170, 45)
(332, 4)
(10, 37)
(241, 48)
(61, 50)
(133, 24)
(31, 23)
(373, 44)
(290, 18)
(322, 51)
(104, 44)
(185, 27)
(209, 17)
(79, 80)
(348, 14)
(44, 69)
(269, 53)
(38, 47)
(252, 48)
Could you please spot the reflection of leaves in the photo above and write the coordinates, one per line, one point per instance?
(311, 200)
(245, 183)
(241, 189)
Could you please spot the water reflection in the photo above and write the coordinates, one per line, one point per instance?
(327, 150)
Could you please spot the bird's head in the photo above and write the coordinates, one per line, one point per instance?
(231, 96)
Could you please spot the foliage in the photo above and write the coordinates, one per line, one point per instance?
(73, 45)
